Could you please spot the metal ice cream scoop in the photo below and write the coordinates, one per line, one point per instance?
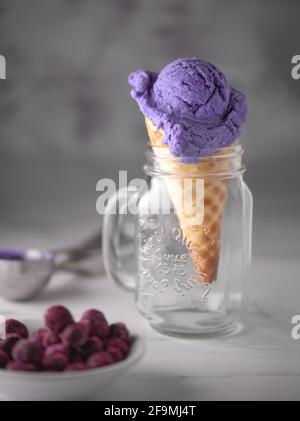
(24, 274)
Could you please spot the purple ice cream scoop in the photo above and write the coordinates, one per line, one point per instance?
(21, 255)
(192, 102)
(16, 255)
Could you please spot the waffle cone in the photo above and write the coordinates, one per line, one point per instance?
(201, 233)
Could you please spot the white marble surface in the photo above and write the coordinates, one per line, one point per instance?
(260, 363)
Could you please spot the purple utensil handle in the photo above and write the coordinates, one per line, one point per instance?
(6, 254)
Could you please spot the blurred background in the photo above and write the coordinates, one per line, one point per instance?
(67, 118)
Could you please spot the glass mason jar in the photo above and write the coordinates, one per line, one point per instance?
(182, 242)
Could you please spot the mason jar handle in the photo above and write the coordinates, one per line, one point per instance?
(115, 231)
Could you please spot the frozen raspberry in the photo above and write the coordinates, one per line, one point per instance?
(120, 330)
(117, 343)
(55, 362)
(18, 366)
(100, 359)
(74, 335)
(3, 359)
(95, 323)
(116, 354)
(7, 344)
(93, 314)
(26, 351)
(58, 349)
(45, 337)
(57, 318)
(75, 367)
(77, 356)
(14, 327)
(92, 346)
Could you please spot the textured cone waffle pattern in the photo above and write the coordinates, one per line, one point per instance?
(202, 233)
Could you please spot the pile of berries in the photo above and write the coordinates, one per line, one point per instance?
(63, 344)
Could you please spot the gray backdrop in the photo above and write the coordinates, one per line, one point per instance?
(66, 117)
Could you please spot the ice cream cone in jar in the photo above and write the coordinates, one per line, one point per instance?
(191, 233)
(193, 117)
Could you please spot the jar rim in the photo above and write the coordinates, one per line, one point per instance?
(224, 162)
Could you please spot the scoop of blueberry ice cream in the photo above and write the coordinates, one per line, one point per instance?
(192, 102)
